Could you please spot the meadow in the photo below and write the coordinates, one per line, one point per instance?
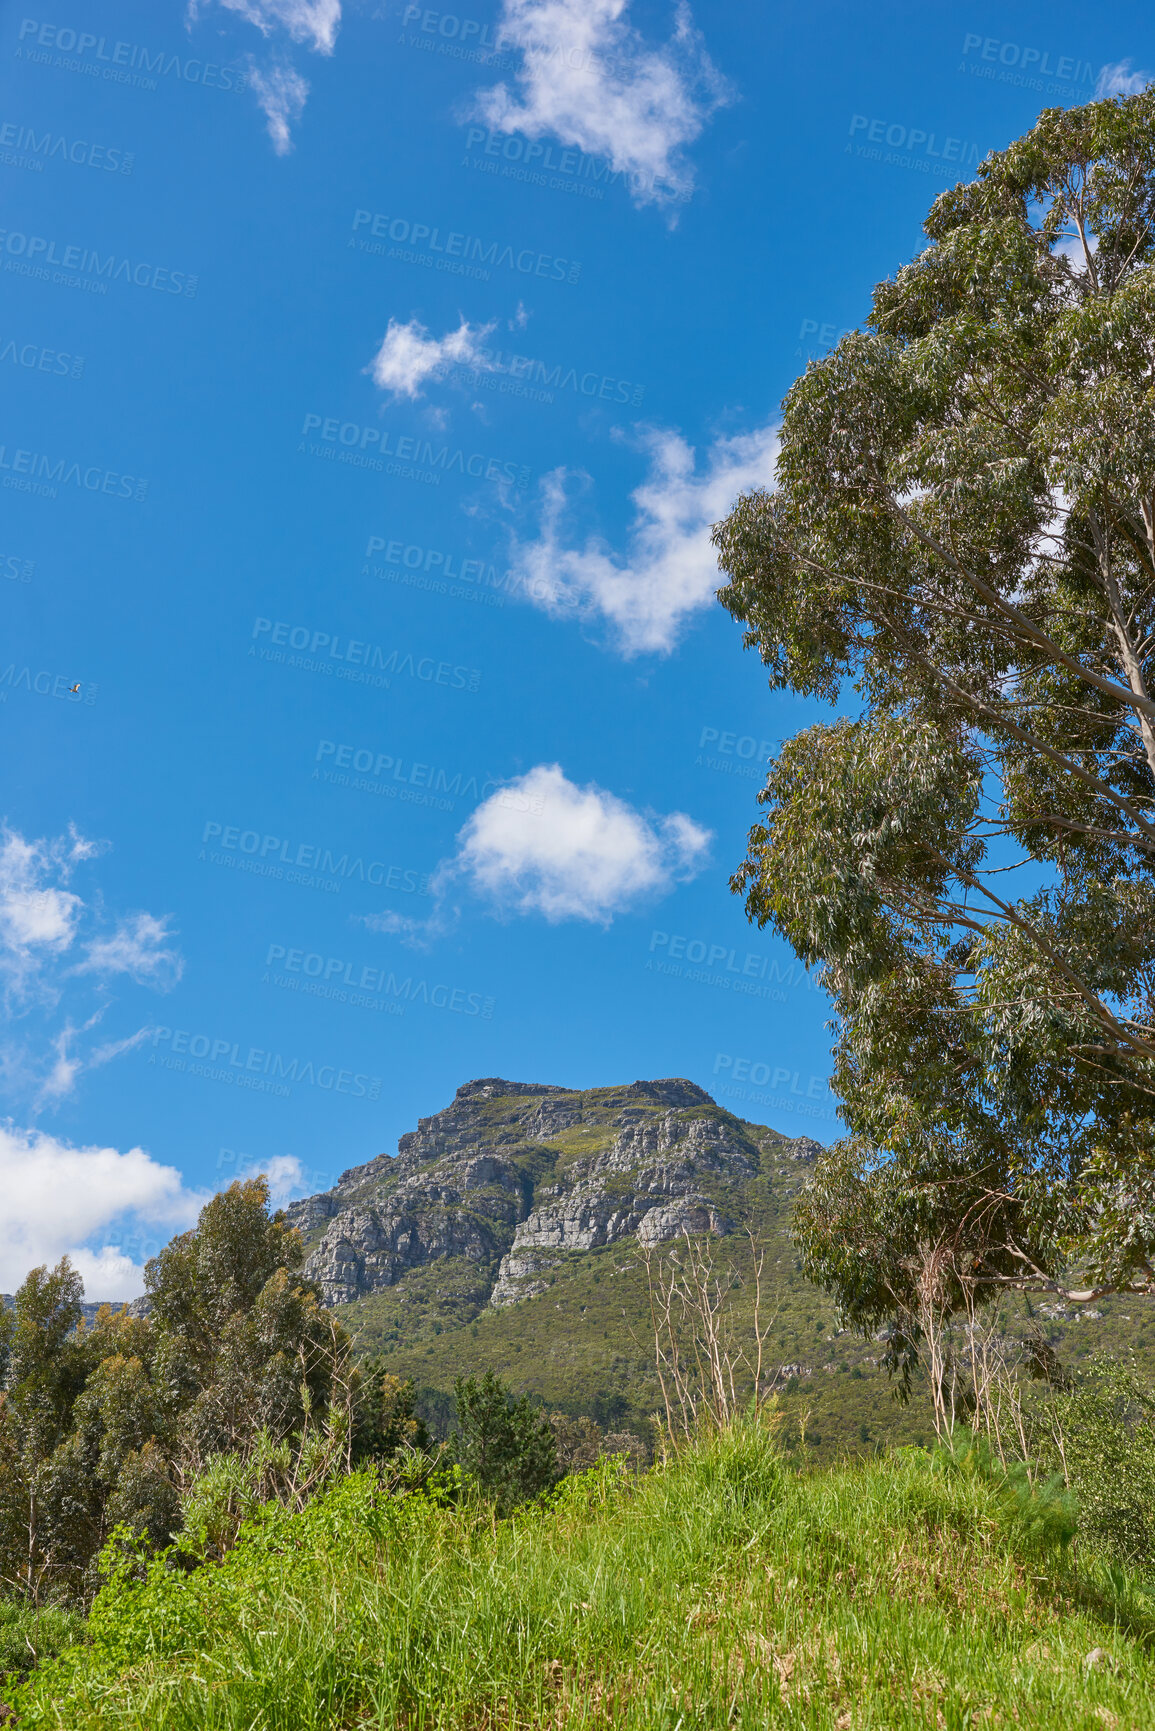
(924, 1589)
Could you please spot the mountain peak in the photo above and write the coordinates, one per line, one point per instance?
(490, 1087)
(666, 1090)
(501, 1187)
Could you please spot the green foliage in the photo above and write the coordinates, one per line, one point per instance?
(502, 1443)
(1039, 1506)
(577, 1441)
(738, 1470)
(718, 1589)
(234, 1488)
(103, 1426)
(242, 1342)
(962, 531)
(1096, 1433)
(29, 1635)
(46, 1362)
(386, 1417)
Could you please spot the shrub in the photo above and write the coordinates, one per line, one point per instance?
(28, 1635)
(1037, 1508)
(1098, 1434)
(504, 1444)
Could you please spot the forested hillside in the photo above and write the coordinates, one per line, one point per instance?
(511, 1233)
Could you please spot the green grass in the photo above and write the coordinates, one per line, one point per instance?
(719, 1590)
(29, 1636)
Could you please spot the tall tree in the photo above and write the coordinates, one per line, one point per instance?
(45, 1368)
(112, 1423)
(504, 1443)
(963, 532)
(243, 1344)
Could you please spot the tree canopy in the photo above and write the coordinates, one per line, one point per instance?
(112, 1423)
(961, 549)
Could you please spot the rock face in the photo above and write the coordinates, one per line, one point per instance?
(514, 1176)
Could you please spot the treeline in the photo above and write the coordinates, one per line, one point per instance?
(233, 1388)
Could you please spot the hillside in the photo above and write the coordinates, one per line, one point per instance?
(717, 1591)
(510, 1231)
(89, 1309)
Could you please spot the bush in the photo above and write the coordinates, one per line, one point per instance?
(738, 1470)
(28, 1635)
(505, 1445)
(233, 1487)
(1098, 1434)
(1037, 1509)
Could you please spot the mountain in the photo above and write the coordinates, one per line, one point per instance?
(516, 1231)
(504, 1185)
(511, 1232)
(89, 1311)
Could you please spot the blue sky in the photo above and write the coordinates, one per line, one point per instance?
(372, 375)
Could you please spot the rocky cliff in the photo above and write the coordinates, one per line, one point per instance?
(513, 1177)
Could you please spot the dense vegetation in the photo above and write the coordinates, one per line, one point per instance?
(114, 1422)
(346, 1570)
(715, 1590)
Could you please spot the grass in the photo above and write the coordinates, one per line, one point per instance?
(721, 1589)
(29, 1636)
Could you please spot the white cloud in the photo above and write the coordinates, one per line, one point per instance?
(1122, 79)
(63, 1070)
(40, 919)
(50, 939)
(108, 1211)
(543, 845)
(279, 88)
(36, 914)
(136, 948)
(408, 355)
(68, 1063)
(670, 567)
(286, 1177)
(109, 1275)
(314, 22)
(282, 93)
(588, 79)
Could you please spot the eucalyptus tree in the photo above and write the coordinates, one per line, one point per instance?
(112, 1422)
(960, 549)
